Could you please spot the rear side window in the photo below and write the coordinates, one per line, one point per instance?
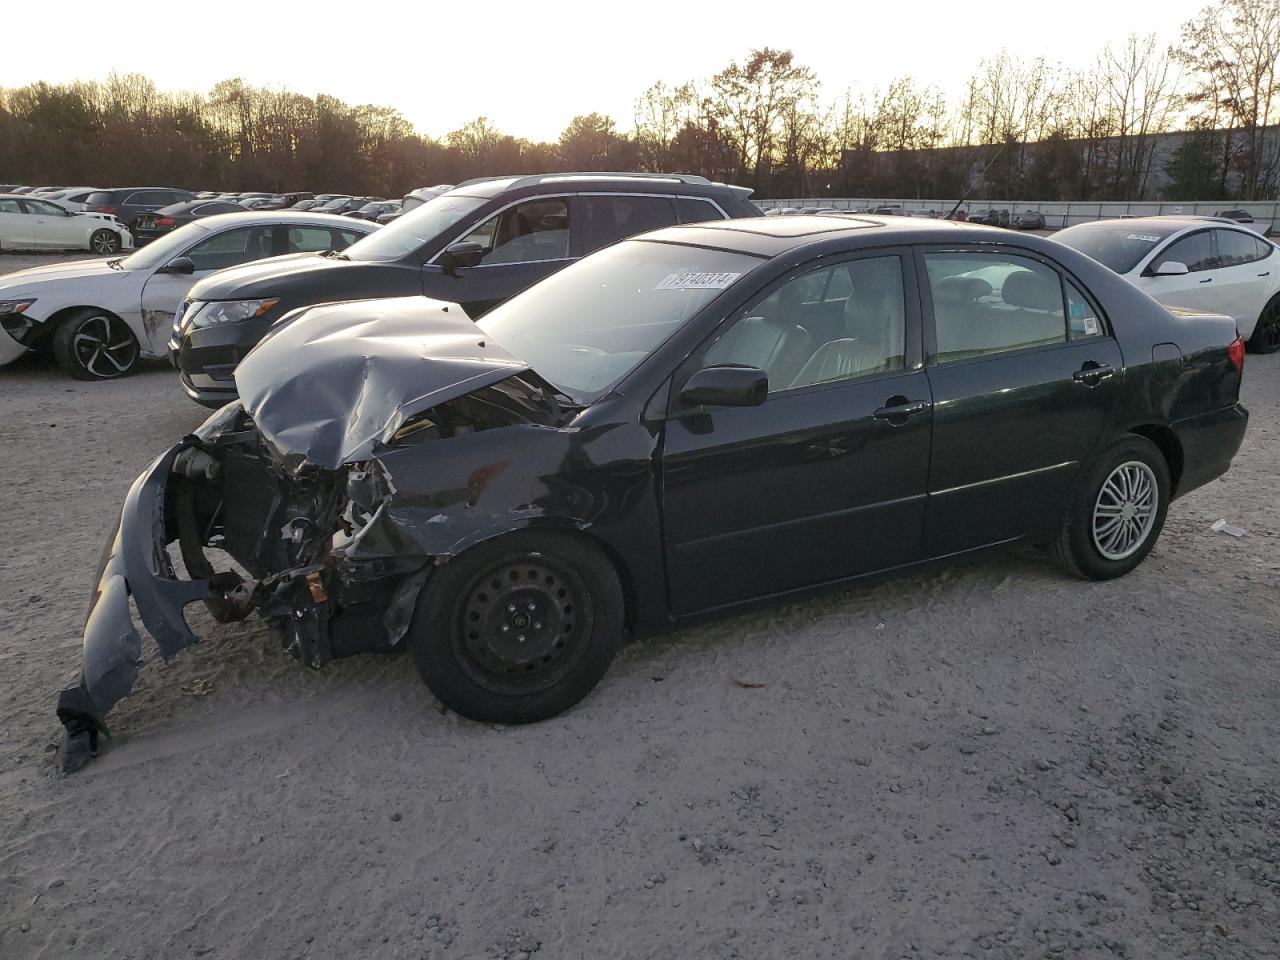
(308, 240)
(1236, 248)
(1195, 251)
(696, 211)
(985, 304)
(231, 248)
(611, 218)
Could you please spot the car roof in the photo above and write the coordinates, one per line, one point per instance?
(771, 236)
(253, 218)
(641, 182)
(1173, 221)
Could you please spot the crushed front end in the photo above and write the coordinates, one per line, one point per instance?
(254, 535)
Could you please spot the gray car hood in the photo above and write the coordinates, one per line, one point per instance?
(327, 386)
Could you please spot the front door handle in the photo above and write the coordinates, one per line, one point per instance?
(899, 412)
(1267, 274)
(1207, 280)
(1093, 373)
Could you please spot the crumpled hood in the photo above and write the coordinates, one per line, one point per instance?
(33, 278)
(326, 387)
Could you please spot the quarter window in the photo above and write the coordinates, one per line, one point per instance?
(1195, 251)
(231, 248)
(987, 304)
(526, 233)
(1083, 321)
(800, 339)
(693, 210)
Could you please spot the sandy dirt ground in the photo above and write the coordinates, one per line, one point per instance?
(991, 761)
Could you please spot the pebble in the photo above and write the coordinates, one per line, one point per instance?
(989, 730)
(395, 817)
(55, 884)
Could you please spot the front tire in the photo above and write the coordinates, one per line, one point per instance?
(1116, 513)
(518, 629)
(1266, 335)
(92, 344)
(105, 242)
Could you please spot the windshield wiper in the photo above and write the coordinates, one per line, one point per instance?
(335, 255)
(115, 264)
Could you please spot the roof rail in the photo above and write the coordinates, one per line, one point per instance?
(531, 179)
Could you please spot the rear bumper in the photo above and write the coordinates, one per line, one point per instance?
(134, 563)
(1209, 443)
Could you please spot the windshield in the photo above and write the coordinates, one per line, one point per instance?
(585, 328)
(415, 228)
(1118, 245)
(159, 252)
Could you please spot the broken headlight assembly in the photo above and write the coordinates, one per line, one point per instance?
(212, 312)
(12, 317)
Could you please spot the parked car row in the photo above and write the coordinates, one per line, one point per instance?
(625, 401)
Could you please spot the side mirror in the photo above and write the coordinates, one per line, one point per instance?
(726, 386)
(180, 265)
(1170, 268)
(464, 253)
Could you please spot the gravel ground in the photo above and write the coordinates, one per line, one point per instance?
(991, 761)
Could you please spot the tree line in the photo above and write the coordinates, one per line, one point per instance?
(1196, 119)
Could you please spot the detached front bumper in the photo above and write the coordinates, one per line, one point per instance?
(134, 563)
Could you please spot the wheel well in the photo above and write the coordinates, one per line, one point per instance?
(1169, 445)
(45, 330)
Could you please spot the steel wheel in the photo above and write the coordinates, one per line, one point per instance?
(1125, 510)
(104, 346)
(523, 625)
(105, 242)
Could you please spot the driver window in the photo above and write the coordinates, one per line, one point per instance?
(9, 206)
(1193, 250)
(231, 248)
(42, 209)
(526, 233)
(835, 323)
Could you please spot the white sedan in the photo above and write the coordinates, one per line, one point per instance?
(33, 223)
(1197, 263)
(100, 316)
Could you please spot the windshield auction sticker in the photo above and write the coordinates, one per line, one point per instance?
(1145, 237)
(689, 280)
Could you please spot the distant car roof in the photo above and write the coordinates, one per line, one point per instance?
(643, 182)
(771, 236)
(256, 217)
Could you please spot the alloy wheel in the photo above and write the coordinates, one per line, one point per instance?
(104, 346)
(105, 241)
(1269, 328)
(1125, 510)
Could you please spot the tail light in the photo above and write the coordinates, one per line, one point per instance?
(164, 222)
(110, 210)
(1236, 353)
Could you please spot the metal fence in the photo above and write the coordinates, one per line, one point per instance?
(1057, 214)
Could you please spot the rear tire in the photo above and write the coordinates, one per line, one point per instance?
(518, 629)
(105, 242)
(92, 344)
(1116, 513)
(1266, 335)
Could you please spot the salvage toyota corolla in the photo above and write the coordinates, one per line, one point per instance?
(680, 423)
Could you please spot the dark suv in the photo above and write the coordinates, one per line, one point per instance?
(125, 203)
(476, 245)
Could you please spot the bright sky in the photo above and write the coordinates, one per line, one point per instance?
(530, 67)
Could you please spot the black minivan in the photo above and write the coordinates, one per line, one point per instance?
(125, 203)
(476, 245)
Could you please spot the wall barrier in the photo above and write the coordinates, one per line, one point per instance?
(1057, 214)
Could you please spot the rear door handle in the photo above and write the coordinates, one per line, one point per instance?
(900, 411)
(1267, 274)
(1207, 280)
(1092, 374)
